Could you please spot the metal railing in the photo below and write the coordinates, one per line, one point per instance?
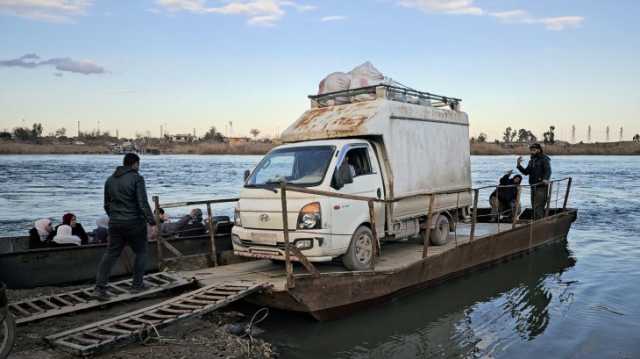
(161, 242)
(288, 248)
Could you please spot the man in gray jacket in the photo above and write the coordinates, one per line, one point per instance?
(126, 204)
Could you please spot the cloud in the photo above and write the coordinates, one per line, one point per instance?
(258, 12)
(517, 16)
(333, 18)
(66, 64)
(46, 10)
(459, 7)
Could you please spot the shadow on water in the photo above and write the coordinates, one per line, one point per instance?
(476, 315)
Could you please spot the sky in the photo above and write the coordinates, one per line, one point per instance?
(185, 65)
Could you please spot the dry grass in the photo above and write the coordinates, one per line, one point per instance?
(220, 149)
(12, 148)
(609, 148)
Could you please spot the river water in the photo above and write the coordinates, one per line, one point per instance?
(570, 300)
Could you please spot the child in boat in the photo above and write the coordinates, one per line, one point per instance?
(64, 237)
(101, 233)
(39, 234)
(71, 220)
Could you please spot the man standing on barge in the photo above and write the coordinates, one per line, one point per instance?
(126, 204)
(539, 171)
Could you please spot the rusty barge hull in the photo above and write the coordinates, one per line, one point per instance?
(335, 294)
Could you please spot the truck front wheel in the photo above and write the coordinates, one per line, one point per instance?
(360, 254)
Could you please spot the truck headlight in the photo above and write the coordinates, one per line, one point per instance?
(236, 217)
(310, 217)
(303, 244)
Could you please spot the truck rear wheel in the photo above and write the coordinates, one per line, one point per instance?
(440, 233)
(360, 254)
(7, 332)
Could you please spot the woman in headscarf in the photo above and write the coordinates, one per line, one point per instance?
(64, 237)
(70, 220)
(39, 234)
(101, 233)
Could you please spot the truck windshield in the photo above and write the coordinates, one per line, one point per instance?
(296, 165)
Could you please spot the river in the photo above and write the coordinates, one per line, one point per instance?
(570, 300)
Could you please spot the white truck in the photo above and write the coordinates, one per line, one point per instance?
(382, 142)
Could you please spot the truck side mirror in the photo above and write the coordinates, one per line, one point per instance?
(342, 176)
(247, 173)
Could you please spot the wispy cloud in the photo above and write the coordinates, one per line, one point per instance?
(258, 12)
(333, 18)
(66, 64)
(516, 16)
(46, 10)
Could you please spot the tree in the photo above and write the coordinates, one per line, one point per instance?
(22, 133)
(254, 132)
(525, 135)
(549, 136)
(5, 135)
(61, 132)
(36, 130)
(506, 137)
(482, 137)
(636, 138)
(213, 135)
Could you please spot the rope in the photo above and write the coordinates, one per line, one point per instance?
(252, 322)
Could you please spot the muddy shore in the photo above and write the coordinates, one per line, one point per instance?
(201, 337)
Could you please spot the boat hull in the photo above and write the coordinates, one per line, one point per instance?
(333, 295)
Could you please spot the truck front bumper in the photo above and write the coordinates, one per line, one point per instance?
(256, 243)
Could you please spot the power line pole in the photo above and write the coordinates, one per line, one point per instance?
(573, 133)
(607, 132)
(621, 134)
(589, 133)
(78, 128)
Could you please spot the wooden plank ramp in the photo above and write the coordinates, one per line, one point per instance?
(133, 326)
(82, 299)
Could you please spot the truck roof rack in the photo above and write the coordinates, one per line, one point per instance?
(389, 92)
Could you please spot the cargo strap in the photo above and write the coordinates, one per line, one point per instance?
(139, 324)
(82, 299)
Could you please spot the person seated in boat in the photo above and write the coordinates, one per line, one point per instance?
(65, 238)
(188, 225)
(101, 233)
(71, 220)
(39, 234)
(503, 200)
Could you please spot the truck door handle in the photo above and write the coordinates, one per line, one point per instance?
(379, 193)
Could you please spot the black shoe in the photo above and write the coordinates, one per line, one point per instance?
(101, 295)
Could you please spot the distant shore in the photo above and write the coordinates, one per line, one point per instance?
(259, 148)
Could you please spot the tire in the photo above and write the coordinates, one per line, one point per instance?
(440, 234)
(7, 333)
(360, 255)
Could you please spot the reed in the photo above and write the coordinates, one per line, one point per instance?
(559, 149)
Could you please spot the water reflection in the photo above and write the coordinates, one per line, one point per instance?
(478, 315)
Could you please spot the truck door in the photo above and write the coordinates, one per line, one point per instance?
(347, 214)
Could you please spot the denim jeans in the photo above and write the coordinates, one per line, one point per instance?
(132, 234)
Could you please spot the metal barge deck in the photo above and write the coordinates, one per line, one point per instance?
(401, 267)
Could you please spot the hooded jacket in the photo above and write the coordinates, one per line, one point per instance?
(125, 198)
(538, 168)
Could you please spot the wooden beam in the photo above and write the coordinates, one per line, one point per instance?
(285, 229)
(305, 262)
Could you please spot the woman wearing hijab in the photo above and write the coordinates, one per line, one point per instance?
(101, 233)
(39, 234)
(69, 219)
(65, 237)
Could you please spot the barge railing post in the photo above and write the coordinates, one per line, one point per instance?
(548, 199)
(498, 200)
(376, 244)
(474, 217)
(285, 231)
(516, 209)
(212, 235)
(427, 230)
(566, 195)
(156, 202)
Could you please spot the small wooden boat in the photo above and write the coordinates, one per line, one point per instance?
(29, 268)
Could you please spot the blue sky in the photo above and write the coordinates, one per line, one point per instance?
(137, 65)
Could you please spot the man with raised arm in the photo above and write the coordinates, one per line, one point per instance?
(539, 171)
(126, 204)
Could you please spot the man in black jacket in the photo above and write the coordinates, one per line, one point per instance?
(539, 171)
(126, 204)
(504, 200)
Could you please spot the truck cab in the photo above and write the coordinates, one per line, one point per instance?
(377, 149)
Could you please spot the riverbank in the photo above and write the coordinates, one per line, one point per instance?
(259, 148)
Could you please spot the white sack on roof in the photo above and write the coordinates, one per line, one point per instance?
(365, 75)
(337, 81)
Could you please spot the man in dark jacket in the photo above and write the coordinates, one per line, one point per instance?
(539, 171)
(126, 204)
